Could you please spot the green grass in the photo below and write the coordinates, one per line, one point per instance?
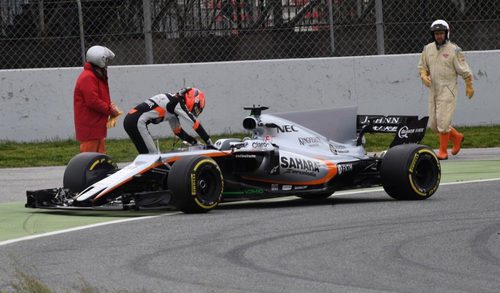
(28, 283)
(57, 153)
(475, 137)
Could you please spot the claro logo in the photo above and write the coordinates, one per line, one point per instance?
(260, 145)
(286, 128)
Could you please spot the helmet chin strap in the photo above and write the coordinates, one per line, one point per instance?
(102, 73)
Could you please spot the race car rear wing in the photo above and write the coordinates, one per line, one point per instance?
(408, 129)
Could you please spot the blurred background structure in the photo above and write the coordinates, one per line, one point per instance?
(56, 33)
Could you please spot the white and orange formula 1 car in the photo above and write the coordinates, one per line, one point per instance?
(309, 154)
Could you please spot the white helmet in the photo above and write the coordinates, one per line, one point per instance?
(99, 56)
(440, 25)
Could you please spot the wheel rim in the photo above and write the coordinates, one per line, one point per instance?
(206, 186)
(425, 173)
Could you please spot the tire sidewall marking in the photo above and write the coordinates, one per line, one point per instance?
(411, 169)
(94, 164)
(101, 161)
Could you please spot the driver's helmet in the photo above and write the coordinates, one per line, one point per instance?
(195, 101)
(99, 56)
(440, 25)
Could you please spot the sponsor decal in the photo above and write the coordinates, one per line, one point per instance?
(268, 138)
(382, 120)
(344, 168)
(300, 166)
(253, 191)
(287, 128)
(286, 187)
(274, 187)
(193, 184)
(385, 128)
(298, 163)
(302, 187)
(405, 131)
(275, 170)
(413, 162)
(338, 149)
(245, 156)
(313, 140)
(260, 145)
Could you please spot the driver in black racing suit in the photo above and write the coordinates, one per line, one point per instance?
(189, 103)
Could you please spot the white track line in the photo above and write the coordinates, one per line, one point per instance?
(6, 242)
(2, 243)
(470, 181)
(443, 183)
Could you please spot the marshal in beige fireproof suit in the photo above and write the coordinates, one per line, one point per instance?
(443, 65)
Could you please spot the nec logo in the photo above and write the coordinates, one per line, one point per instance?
(286, 128)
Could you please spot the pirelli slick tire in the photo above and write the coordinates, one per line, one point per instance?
(86, 169)
(410, 172)
(196, 184)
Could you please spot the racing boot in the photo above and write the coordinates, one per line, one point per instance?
(456, 138)
(444, 137)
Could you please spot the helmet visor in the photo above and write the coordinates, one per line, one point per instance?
(197, 109)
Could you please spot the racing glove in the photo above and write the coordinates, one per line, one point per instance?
(186, 137)
(469, 89)
(210, 144)
(426, 78)
(115, 113)
(111, 121)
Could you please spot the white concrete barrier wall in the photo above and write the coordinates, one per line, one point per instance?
(37, 104)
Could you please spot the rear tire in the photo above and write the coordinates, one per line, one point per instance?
(196, 184)
(86, 169)
(410, 172)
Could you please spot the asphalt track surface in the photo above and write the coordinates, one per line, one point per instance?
(357, 242)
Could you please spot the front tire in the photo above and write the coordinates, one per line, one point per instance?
(410, 172)
(196, 184)
(86, 169)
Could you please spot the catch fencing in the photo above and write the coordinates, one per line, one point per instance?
(57, 33)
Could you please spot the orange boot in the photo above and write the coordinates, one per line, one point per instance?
(443, 145)
(456, 138)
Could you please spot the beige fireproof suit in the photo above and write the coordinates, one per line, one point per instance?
(443, 65)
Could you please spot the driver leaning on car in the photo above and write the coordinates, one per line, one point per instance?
(188, 103)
